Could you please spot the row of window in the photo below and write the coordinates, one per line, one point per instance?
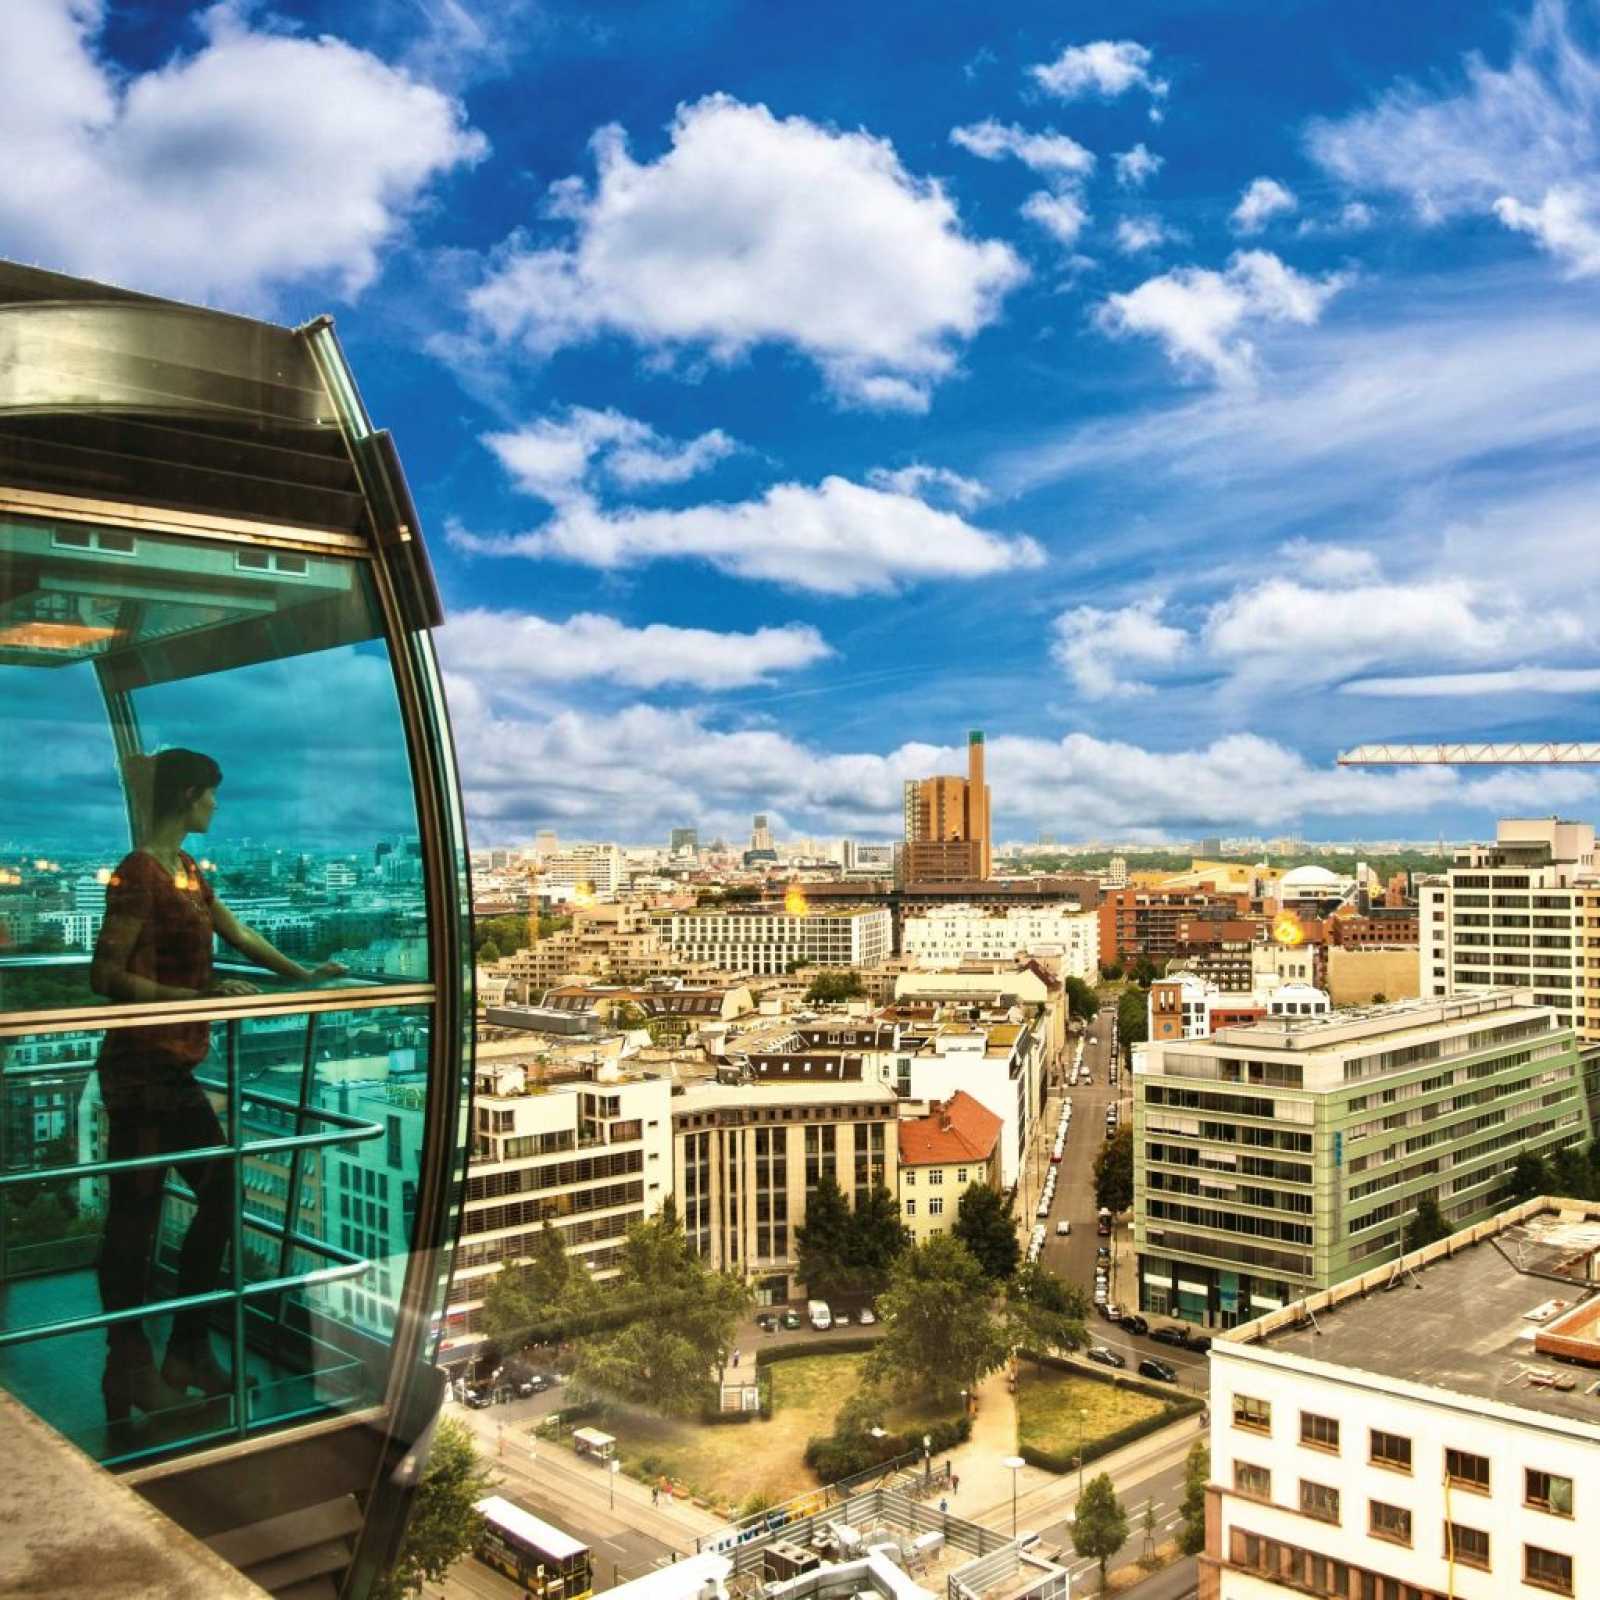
(908, 1175)
(935, 1206)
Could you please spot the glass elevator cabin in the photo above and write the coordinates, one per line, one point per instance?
(204, 543)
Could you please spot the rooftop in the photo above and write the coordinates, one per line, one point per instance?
(1464, 1314)
(959, 1130)
(1392, 1021)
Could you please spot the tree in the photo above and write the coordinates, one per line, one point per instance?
(1082, 1001)
(1529, 1176)
(679, 1326)
(1133, 1022)
(1100, 1525)
(1427, 1225)
(1570, 1175)
(941, 1331)
(1110, 971)
(1143, 971)
(876, 1239)
(1148, 1524)
(824, 1241)
(985, 1225)
(551, 1275)
(444, 1524)
(1192, 1508)
(1113, 1172)
(488, 953)
(829, 988)
(507, 1311)
(1045, 1313)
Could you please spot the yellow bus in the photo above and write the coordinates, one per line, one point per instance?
(549, 1564)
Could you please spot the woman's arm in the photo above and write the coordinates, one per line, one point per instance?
(260, 950)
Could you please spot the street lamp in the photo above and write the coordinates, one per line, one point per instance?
(1083, 1419)
(1016, 1463)
(616, 1467)
(963, 1402)
(927, 1458)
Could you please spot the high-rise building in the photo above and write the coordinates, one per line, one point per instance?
(685, 842)
(760, 833)
(947, 824)
(1284, 1157)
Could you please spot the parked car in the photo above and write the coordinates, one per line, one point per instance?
(791, 1319)
(1111, 1311)
(1102, 1252)
(1200, 1342)
(1150, 1367)
(1063, 1229)
(479, 1399)
(767, 1321)
(1169, 1334)
(1100, 1294)
(1134, 1323)
(1106, 1356)
(866, 1317)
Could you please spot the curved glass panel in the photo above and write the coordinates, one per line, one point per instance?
(118, 1224)
(116, 643)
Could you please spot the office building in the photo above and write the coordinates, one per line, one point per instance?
(948, 935)
(1428, 1430)
(947, 837)
(1524, 910)
(761, 834)
(1163, 924)
(583, 873)
(769, 941)
(685, 842)
(1283, 1157)
(955, 1144)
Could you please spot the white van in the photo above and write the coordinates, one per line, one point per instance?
(821, 1316)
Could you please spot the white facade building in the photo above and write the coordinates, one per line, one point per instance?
(949, 935)
(769, 943)
(584, 870)
(1413, 1444)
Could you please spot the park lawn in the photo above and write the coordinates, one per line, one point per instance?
(727, 1463)
(1048, 1403)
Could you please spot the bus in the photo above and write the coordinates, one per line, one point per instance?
(549, 1564)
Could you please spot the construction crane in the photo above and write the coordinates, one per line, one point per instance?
(1549, 754)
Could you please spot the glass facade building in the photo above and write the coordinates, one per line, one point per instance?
(249, 1138)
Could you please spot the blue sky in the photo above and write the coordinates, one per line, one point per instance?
(1179, 392)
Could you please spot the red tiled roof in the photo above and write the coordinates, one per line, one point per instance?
(960, 1130)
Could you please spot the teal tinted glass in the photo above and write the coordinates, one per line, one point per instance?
(313, 1121)
(116, 644)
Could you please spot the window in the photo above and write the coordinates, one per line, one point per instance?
(1319, 1500)
(1467, 1471)
(1253, 1481)
(1470, 1546)
(1549, 1569)
(1388, 1522)
(1391, 1450)
(1319, 1433)
(961, 1174)
(936, 1206)
(1255, 1415)
(911, 1208)
(909, 1176)
(936, 1175)
(1545, 1491)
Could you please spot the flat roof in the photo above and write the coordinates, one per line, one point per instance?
(1462, 1322)
(1353, 1026)
(543, 1535)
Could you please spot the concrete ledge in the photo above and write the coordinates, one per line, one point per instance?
(67, 1526)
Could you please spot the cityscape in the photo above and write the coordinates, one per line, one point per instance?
(916, 916)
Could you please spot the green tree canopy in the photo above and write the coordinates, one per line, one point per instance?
(985, 1225)
(1143, 971)
(488, 952)
(1427, 1225)
(1570, 1174)
(877, 1238)
(507, 1311)
(1192, 1508)
(1046, 1313)
(1113, 1172)
(941, 1328)
(1529, 1176)
(829, 988)
(676, 1341)
(1082, 1001)
(444, 1523)
(1133, 1021)
(825, 1241)
(1100, 1525)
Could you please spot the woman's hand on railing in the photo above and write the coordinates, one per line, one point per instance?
(231, 986)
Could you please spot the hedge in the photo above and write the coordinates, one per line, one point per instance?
(855, 1345)
(832, 1457)
(1053, 1461)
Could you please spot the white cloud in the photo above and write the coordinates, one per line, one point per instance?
(1354, 216)
(1510, 680)
(938, 485)
(1106, 68)
(838, 537)
(554, 457)
(1062, 216)
(1136, 234)
(1137, 166)
(258, 160)
(1097, 647)
(587, 646)
(1331, 563)
(1263, 200)
(752, 230)
(1049, 152)
(1200, 316)
(1520, 143)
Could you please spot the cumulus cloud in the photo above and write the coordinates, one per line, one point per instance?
(1136, 234)
(1097, 648)
(1201, 316)
(587, 646)
(836, 537)
(554, 457)
(1049, 152)
(1264, 199)
(255, 161)
(1520, 143)
(1063, 216)
(1106, 68)
(1137, 166)
(939, 485)
(753, 229)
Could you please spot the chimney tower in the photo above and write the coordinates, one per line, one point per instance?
(978, 802)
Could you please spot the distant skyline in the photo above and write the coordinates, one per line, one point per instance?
(1178, 391)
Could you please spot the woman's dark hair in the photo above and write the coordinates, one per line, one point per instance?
(177, 773)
